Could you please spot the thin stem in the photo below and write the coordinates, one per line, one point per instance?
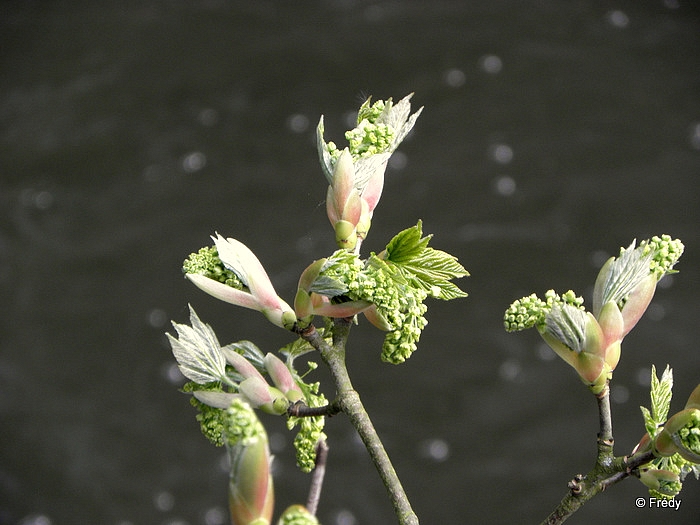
(349, 401)
(300, 409)
(317, 477)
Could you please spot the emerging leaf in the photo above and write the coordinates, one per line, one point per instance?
(425, 268)
(198, 352)
(661, 393)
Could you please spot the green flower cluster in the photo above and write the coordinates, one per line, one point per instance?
(241, 425)
(297, 515)
(531, 310)
(399, 305)
(689, 435)
(665, 253)
(210, 419)
(310, 428)
(237, 423)
(369, 137)
(206, 262)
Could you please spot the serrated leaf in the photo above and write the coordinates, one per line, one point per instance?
(407, 244)
(649, 423)
(425, 268)
(661, 393)
(197, 351)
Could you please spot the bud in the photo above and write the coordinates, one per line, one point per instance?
(251, 493)
(681, 435)
(282, 378)
(664, 482)
(263, 396)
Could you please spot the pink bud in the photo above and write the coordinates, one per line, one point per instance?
(263, 396)
(282, 377)
(241, 364)
(637, 302)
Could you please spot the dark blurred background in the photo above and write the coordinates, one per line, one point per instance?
(553, 133)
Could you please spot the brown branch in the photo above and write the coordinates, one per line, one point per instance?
(301, 409)
(317, 477)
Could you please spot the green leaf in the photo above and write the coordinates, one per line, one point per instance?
(197, 351)
(661, 393)
(407, 244)
(425, 268)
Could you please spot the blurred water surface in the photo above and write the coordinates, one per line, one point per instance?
(553, 133)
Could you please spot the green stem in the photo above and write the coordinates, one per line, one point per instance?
(349, 401)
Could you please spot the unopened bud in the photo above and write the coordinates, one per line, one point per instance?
(282, 378)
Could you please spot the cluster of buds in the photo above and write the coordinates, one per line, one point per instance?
(356, 173)
(232, 273)
(591, 342)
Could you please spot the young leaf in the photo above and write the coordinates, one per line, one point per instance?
(425, 268)
(407, 245)
(197, 351)
(661, 393)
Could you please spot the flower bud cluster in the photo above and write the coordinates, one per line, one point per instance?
(356, 174)
(297, 515)
(591, 342)
(531, 310)
(665, 253)
(399, 308)
(310, 429)
(206, 262)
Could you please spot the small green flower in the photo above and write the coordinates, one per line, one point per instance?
(665, 253)
(206, 262)
(297, 515)
(531, 311)
(310, 428)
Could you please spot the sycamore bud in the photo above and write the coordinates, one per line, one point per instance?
(356, 173)
(630, 279)
(282, 378)
(662, 482)
(251, 493)
(238, 278)
(681, 434)
(263, 396)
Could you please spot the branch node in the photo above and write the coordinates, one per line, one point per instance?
(575, 484)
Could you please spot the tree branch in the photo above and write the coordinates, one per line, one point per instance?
(349, 402)
(607, 470)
